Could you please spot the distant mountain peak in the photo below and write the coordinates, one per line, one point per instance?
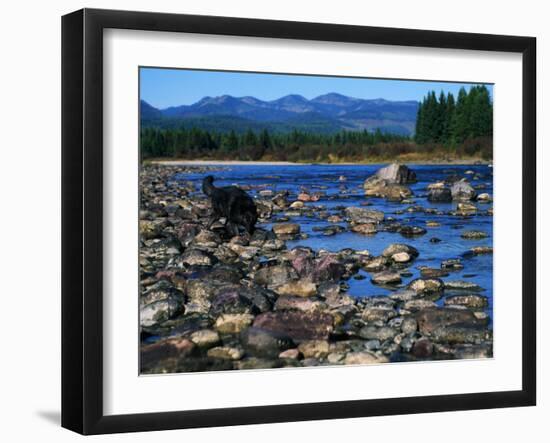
(291, 98)
(328, 112)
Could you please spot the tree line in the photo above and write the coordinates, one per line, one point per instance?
(449, 122)
(297, 145)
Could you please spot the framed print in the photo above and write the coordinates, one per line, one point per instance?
(269, 221)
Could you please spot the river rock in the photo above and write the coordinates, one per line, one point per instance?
(462, 191)
(422, 348)
(314, 348)
(364, 358)
(373, 314)
(396, 173)
(386, 278)
(159, 311)
(161, 290)
(461, 285)
(225, 353)
(416, 305)
(285, 302)
(231, 301)
(327, 268)
(233, 323)
(205, 338)
(286, 229)
(299, 288)
(364, 215)
(452, 334)
(280, 200)
(274, 276)
(484, 198)
(479, 250)
(440, 195)
(432, 318)
(206, 239)
(471, 301)
(169, 348)
(397, 248)
(409, 325)
(452, 264)
(150, 229)
(426, 286)
(464, 208)
(401, 257)
(474, 235)
(411, 231)
(296, 324)
(377, 333)
(470, 351)
(263, 342)
(195, 257)
(365, 229)
(427, 272)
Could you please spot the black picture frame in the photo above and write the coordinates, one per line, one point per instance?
(82, 218)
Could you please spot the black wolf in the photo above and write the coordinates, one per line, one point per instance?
(233, 203)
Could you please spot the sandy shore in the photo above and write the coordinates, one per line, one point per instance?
(277, 163)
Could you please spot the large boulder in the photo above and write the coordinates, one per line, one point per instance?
(463, 191)
(375, 186)
(396, 173)
(389, 182)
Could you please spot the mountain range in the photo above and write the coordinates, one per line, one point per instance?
(326, 113)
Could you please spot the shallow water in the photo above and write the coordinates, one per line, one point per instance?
(477, 269)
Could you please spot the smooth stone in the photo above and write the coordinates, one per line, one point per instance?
(378, 314)
(233, 323)
(471, 301)
(430, 319)
(463, 286)
(299, 288)
(296, 324)
(426, 285)
(264, 342)
(397, 248)
(286, 302)
(286, 228)
(205, 338)
(365, 229)
(314, 348)
(377, 333)
(474, 235)
(225, 353)
(386, 278)
(364, 358)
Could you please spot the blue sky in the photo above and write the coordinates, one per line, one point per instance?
(163, 87)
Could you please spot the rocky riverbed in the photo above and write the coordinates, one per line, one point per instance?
(275, 299)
